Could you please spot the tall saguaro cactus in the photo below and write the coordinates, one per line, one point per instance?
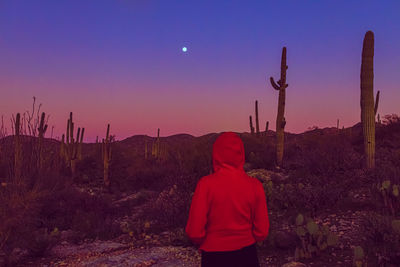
(42, 130)
(257, 123)
(280, 86)
(71, 148)
(251, 125)
(106, 155)
(17, 150)
(368, 106)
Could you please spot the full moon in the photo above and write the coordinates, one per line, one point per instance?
(184, 49)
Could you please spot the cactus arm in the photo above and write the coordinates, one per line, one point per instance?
(276, 87)
(376, 102)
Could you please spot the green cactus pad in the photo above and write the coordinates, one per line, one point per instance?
(332, 239)
(312, 227)
(299, 219)
(396, 226)
(386, 184)
(358, 253)
(300, 231)
(395, 190)
(325, 229)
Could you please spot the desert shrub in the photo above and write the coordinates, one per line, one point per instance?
(382, 239)
(41, 241)
(259, 151)
(327, 156)
(308, 195)
(21, 225)
(314, 239)
(171, 208)
(89, 171)
(89, 216)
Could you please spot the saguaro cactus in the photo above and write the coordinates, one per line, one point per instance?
(251, 125)
(266, 128)
(42, 130)
(106, 155)
(368, 107)
(280, 119)
(72, 146)
(257, 123)
(17, 150)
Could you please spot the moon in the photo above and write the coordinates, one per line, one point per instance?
(184, 49)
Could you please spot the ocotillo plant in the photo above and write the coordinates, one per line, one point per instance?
(280, 119)
(368, 107)
(42, 130)
(17, 150)
(106, 155)
(257, 124)
(251, 125)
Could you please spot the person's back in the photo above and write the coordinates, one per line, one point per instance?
(228, 213)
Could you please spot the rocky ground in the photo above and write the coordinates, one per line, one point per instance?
(162, 250)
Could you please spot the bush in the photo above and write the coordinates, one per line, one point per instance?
(309, 195)
(171, 208)
(381, 238)
(89, 216)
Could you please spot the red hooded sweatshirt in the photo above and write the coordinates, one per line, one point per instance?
(228, 209)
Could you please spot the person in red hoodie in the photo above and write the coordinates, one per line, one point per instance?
(228, 212)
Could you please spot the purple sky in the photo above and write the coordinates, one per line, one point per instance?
(121, 62)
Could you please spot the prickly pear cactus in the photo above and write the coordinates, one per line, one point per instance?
(390, 195)
(358, 258)
(314, 239)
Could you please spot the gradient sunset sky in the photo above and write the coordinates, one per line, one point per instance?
(121, 62)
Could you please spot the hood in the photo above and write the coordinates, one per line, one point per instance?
(228, 152)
